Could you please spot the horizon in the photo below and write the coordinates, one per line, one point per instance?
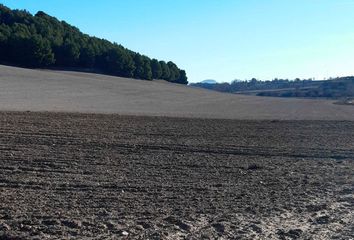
(224, 40)
(286, 79)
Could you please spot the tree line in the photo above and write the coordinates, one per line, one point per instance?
(255, 84)
(41, 40)
(307, 88)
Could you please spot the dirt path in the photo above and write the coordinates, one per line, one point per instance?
(108, 176)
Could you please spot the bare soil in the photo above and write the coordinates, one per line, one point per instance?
(65, 91)
(90, 176)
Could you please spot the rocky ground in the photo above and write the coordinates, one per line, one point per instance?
(88, 176)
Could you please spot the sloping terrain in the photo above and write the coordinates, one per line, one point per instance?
(83, 176)
(38, 90)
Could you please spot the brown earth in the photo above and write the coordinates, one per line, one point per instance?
(92, 176)
(63, 91)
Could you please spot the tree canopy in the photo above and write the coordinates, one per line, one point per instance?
(41, 40)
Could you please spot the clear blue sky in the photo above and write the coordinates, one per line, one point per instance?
(222, 39)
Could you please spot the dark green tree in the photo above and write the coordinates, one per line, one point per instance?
(147, 75)
(156, 69)
(42, 40)
(68, 54)
(139, 66)
(42, 54)
(182, 77)
(174, 71)
(5, 33)
(165, 70)
(119, 63)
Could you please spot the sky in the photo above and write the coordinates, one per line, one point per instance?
(222, 39)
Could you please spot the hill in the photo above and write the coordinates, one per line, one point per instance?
(333, 89)
(41, 40)
(209, 81)
(66, 91)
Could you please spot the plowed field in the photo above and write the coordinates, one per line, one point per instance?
(117, 177)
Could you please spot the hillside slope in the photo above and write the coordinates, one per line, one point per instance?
(42, 90)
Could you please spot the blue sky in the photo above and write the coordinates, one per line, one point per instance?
(222, 39)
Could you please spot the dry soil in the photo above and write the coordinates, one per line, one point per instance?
(63, 91)
(90, 176)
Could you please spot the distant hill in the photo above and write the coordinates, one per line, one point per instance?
(42, 41)
(209, 81)
(334, 89)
